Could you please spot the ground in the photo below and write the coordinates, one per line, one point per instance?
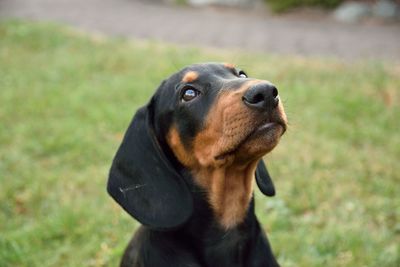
(310, 34)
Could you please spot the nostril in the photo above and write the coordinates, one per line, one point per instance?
(254, 98)
(274, 92)
(258, 98)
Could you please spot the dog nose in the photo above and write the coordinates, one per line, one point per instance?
(263, 96)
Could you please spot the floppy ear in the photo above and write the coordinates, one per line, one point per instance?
(264, 180)
(143, 181)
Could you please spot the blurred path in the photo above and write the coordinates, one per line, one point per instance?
(249, 30)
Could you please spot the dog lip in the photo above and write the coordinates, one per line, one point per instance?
(272, 124)
(264, 127)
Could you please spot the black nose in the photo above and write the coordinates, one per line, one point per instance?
(263, 96)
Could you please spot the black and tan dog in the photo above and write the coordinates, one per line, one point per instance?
(186, 167)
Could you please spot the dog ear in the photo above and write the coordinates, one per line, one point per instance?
(143, 181)
(264, 180)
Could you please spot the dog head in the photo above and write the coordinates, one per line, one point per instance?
(210, 119)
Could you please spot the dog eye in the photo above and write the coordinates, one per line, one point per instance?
(242, 74)
(189, 94)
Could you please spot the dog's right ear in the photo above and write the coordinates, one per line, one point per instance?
(143, 181)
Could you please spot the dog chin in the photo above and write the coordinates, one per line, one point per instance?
(260, 143)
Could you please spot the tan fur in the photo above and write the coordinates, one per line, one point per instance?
(179, 150)
(281, 112)
(229, 65)
(229, 190)
(227, 123)
(190, 76)
(228, 180)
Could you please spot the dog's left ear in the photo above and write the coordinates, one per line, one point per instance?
(264, 180)
(143, 181)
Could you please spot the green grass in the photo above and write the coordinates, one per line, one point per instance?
(286, 5)
(66, 99)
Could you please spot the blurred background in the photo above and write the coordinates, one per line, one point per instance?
(331, 28)
(73, 73)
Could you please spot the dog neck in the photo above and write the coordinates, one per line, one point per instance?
(229, 191)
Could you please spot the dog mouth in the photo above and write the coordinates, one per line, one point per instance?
(268, 128)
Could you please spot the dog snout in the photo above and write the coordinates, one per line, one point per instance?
(263, 97)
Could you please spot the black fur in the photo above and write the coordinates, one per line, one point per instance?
(179, 228)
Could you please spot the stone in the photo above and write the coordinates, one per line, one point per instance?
(352, 11)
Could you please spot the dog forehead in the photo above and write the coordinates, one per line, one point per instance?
(205, 71)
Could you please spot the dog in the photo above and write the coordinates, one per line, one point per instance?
(186, 166)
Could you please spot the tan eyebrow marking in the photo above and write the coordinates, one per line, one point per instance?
(229, 65)
(190, 77)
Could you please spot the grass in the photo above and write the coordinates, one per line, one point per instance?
(286, 5)
(66, 99)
